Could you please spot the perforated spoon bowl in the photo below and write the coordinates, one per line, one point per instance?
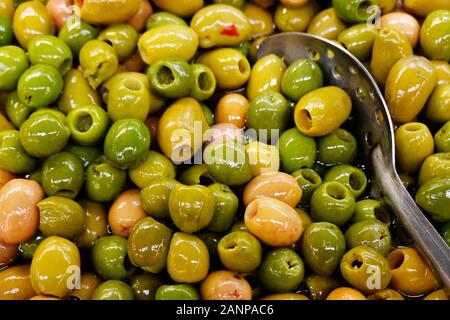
(374, 131)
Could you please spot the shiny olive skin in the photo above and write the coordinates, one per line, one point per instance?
(31, 19)
(268, 113)
(354, 10)
(128, 98)
(191, 207)
(277, 185)
(437, 295)
(226, 207)
(445, 232)
(145, 285)
(44, 135)
(176, 41)
(183, 8)
(338, 147)
(62, 175)
(332, 202)
(433, 35)
(60, 217)
(323, 246)
(127, 143)
(296, 150)
(266, 75)
(113, 290)
(225, 285)
(88, 283)
(220, 25)
(40, 85)
(261, 21)
(95, 224)
(322, 111)
(263, 157)
(171, 77)
(295, 19)
(15, 283)
(14, 62)
(16, 110)
(76, 34)
(359, 40)
(442, 69)
(54, 264)
(434, 197)
(228, 162)
(77, 92)
(386, 294)
(442, 138)
(413, 144)
(389, 46)
(155, 196)
(154, 166)
(417, 76)
(187, 259)
(410, 274)
(308, 180)
(273, 222)
(240, 251)
(370, 233)
(162, 18)
(177, 292)
(86, 154)
(98, 62)
(326, 24)
(52, 51)
(108, 255)
(122, 37)
(230, 66)
(437, 106)
(6, 31)
(148, 245)
(8, 253)
(370, 209)
(180, 121)
(302, 76)
(403, 22)
(434, 166)
(232, 108)
(104, 182)
(28, 248)
(282, 270)
(125, 212)
(319, 287)
(359, 265)
(204, 83)
(7, 8)
(87, 124)
(351, 177)
(19, 216)
(13, 156)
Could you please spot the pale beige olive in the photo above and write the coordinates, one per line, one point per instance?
(278, 185)
(404, 23)
(225, 285)
(273, 222)
(19, 215)
(125, 212)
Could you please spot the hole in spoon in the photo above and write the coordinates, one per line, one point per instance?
(338, 73)
(361, 93)
(369, 138)
(379, 116)
(313, 54)
(353, 70)
(330, 54)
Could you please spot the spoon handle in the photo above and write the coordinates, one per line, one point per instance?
(434, 249)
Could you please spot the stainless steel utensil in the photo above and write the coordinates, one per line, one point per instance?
(375, 132)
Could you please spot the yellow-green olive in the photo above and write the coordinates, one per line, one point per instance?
(55, 267)
(168, 41)
(88, 283)
(327, 24)
(95, 223)
(422, 8)
(389, 46)
(404, 23)
(231, 68)
(15, 283)
(434, 166)
(295, 19)
(180, 129)
(262, 157)
(359, 39)
(188, 258)
(266, 75)
(408, 86)
(442, 69)
(413, 143)
(107, 11)
(221, 25)
(438, 106)
(154, 166)
(31, 19)
(182, 8)
(322, 111)
(261, 21)
(7, 8)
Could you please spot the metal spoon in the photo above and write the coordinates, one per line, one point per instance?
(375, 132)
